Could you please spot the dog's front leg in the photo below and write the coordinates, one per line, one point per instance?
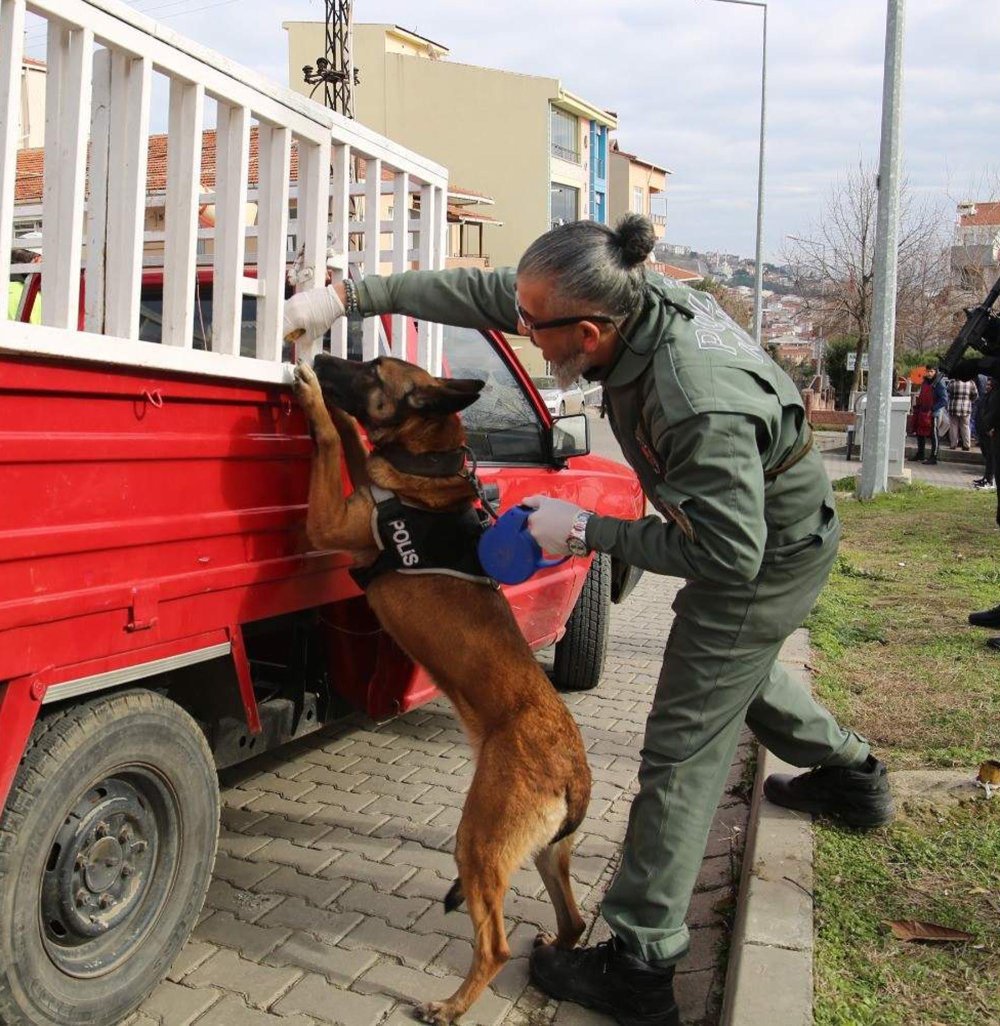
(355, 453)
(332, 521)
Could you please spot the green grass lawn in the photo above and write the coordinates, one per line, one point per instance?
(896, 660)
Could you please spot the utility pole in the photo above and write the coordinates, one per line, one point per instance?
(335, 71)
(758, 280)
(878, 411)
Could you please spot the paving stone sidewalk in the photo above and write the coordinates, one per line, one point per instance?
(334, 857)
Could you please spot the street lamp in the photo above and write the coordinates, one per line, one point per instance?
(758, 283)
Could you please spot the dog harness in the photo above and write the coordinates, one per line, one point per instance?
(412, 540)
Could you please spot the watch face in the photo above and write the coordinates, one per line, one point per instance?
(576, 546)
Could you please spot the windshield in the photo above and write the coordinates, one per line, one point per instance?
(502, 425)
(544, 382)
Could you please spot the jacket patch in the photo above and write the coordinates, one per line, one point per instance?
(647, 450)
(679, 517)
(715, 329)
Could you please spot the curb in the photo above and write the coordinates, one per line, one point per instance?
(770, 976)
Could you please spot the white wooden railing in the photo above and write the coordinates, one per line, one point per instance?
(102, 59)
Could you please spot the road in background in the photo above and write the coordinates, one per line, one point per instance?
(602, 439)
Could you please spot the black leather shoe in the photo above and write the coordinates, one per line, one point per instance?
(986, 618)
(930, 462)
(608, 978)
(857, 797)
(993, 643)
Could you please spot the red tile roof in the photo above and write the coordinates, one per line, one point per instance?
(31, 169)
(461, 213)
(31, 166)
(677, 273)
(985, 213)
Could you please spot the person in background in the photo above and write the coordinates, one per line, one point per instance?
(961, 397)
(988, 416)
(15, 289)
(718, 436)
(931, 399)
(984, 413)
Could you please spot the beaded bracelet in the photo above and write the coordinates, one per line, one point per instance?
(351, 304)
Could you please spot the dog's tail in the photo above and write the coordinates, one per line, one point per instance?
(454, 897)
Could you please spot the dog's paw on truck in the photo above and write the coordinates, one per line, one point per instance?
(161, 614)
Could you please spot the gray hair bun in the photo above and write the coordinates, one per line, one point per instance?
(636, 238)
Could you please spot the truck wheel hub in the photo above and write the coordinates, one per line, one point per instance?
(99, 870)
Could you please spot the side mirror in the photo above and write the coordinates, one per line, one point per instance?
(570, 436)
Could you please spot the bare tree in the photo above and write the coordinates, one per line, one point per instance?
(835, 264)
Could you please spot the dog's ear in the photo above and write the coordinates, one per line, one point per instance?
(447, 395)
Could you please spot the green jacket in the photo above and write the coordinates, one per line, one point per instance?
(702, 414)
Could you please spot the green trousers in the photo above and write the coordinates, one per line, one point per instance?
(719, 672)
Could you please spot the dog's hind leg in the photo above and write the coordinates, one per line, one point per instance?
(552, 863)
(484, 894)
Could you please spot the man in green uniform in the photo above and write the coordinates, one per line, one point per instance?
(719, 439)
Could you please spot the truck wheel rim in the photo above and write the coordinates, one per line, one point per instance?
(109, 871)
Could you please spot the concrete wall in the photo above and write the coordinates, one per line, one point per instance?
(31, 123)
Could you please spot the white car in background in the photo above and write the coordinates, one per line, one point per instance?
(559, 401)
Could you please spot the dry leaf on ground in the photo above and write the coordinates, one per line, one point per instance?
(915, 930)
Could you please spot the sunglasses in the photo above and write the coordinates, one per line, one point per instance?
(558, 322)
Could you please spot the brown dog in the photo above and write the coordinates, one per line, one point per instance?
(532, 783)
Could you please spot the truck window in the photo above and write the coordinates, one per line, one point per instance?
(502, 425)
(151, 320)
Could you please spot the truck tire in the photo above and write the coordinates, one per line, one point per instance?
(579, 655)
(106, 851)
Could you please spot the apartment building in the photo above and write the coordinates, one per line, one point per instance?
(975, 251)
(638, 186)
(540, 151)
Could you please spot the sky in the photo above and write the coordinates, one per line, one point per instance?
(684, 79)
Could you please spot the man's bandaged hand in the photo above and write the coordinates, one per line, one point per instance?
(551, 522)
(309, 314)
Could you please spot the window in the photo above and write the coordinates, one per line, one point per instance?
(502, 425)
(565, 203)
(565, 136)
(638, 200)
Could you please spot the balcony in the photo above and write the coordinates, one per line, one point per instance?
(564, 153)
(659, 219)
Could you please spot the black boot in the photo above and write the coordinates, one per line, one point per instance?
(608, 978)
(986, 618)
(858, 797)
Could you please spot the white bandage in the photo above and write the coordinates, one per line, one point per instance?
(311, 313)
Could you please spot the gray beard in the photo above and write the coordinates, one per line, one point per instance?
(567, 371)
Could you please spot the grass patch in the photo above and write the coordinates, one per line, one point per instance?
(941, 869)
(895, 659)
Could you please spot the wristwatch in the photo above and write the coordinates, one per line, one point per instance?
(576, 542)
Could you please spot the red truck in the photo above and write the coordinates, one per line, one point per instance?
(161, 617)
(161, 614)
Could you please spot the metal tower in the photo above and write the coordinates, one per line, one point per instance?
(335, 71)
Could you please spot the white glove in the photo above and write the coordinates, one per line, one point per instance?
(550, 524)
(310, 313)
